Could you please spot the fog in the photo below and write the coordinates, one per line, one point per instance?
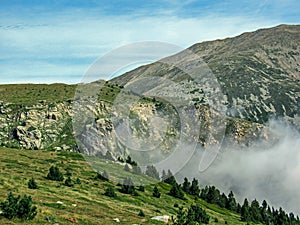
(268, 169)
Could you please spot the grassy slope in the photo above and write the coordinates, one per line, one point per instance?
(28, 94)
(17, 166)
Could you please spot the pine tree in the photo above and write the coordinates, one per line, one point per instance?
(255, 212)
(194, 189)
(200, 215)
(231, 202)
(18, 207)
(156, 192)
(186, 186)
(222, 201)
(128, 186)
(136, 170)
(110, 192)
(141, 213)
(10, 206)
(176, 191)
(55, 174)
(212, 195)
(180, 217)
(203, 194)
(245, 212)
(170, 179)
(32, 184)
(26, 211)
(152, 172)
(164, 175)
(69, 182)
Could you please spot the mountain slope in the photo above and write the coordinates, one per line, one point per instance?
(86, 202)
(258, 72)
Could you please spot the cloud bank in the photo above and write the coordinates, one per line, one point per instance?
(268, 170)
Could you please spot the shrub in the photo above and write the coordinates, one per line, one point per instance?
(77, 181)
(141, 213)
(18, 207)
(55, 174)
(68, 182)
(176, 191)
(128, 186)
(26, 210)
(156, 192)
(152, 172)
(110, 192)
(32, 184)
(141, 188)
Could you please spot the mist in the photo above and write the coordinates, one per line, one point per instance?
(269, 169)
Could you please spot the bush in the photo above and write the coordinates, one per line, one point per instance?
(32, 184)
(18, 207)
(77, 181)
(152, 172)
(55, 174)
(110, 192)
(141, 188)
(141, 213)
(176, 191)
(156, 192)
(128, 186)
(68, 182)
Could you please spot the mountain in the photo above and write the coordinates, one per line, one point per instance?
(230, 87)
(258, 72)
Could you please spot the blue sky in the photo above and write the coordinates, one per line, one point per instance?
(56, 41)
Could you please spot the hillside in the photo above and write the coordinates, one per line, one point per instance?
(91, 205)
(258, 73)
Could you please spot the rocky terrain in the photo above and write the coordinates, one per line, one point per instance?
(229, 87)
(257, 72)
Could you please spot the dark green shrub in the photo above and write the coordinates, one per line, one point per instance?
(26, 210)
(156, 192)
(141, 213)
(32, 184)
(18, 207)
(128, 187)
(77, 181)
(68, 182)
(55, 174)
(110, 192)
(152, 172)
(176, 191)
(141, 188)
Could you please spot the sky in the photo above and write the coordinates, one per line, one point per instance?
(58, 40)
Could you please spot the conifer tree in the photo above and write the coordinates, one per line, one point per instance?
(186, 186)
(32, 184)
(245, 211)
(255, 211)
(156, 192)
(176, 191)
(231, 202)
(55, 174)
(152, 172)
(195, 190)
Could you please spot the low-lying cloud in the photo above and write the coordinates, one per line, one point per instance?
(269, 169)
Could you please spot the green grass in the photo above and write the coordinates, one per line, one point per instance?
(92, 207)
(28, 94)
